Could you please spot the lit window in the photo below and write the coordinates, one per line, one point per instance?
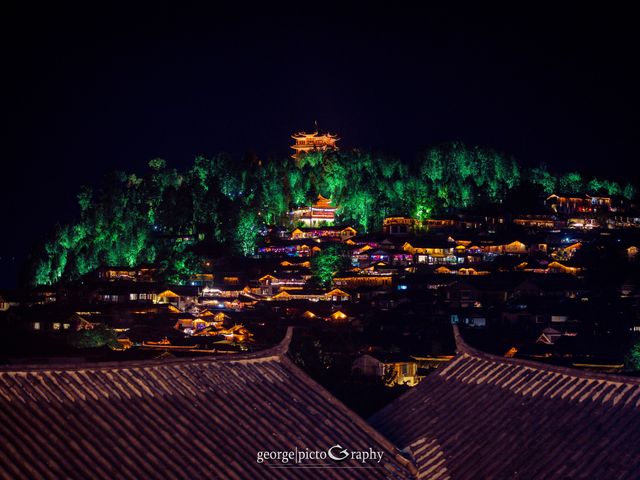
(36, 325)
(66, 326)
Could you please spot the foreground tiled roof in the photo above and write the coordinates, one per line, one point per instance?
(189, 418)
(484, 417)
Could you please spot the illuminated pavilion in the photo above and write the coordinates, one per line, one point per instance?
(319, 214)
(316, 141)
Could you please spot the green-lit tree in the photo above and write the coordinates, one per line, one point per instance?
(632, 359)
(247, 232)
(571, 183)
(541, 176)
(629, 191)
(326, 263)
(99, 336)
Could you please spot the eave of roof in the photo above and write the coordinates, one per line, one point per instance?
(134, 419)
(485, 416)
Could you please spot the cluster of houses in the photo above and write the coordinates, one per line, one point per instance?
(475, 270)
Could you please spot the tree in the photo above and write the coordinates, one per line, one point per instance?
(247, 232)
(629, 191)
(84, 199)
(571, 183)
(541, 176)
(325, 264)
(157, 164)
(178, 263)
(612, 187)
(96, 337)
(632, 359)
(595, 185)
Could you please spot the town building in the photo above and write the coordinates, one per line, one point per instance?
(324, 233)
(321, 214)
(392, 369)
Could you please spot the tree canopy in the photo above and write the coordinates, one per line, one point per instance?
(328, 262)
(96, 337)
(632, 359)
(159, 216)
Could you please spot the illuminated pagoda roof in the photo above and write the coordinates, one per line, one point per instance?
(314, 135)
(484, 416)
(323, 202)
(317, 140)
(204, 417)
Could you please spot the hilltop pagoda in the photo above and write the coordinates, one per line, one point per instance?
(316, 141)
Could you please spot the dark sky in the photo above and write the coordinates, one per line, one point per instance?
(88, 92)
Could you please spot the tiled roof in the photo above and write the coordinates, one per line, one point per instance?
(186, 418)
(484, 416)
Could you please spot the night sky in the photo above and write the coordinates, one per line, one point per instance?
(88, 92)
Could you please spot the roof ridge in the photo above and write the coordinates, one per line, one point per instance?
(276, 352)
(362, 423)
(463, 348)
